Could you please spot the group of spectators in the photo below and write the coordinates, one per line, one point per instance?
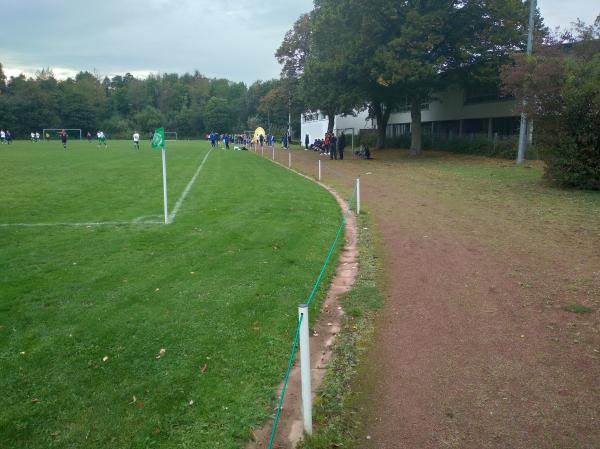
(245, 139)
(330, 145)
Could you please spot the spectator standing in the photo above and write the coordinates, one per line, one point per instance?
(341, 145)
(333, 147)
(285, 141)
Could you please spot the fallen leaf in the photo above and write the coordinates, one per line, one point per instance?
(157, 290)
(35, 401)
(133, 401)
(191, 402)
(105, 358)
(203, 369)
(162, 351)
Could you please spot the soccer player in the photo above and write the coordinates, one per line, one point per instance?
(63, 138)
(37, 136)
(47, 137)
(102, 139)
(32, 136)
(2, 136)
(136, 140)
(89, 137)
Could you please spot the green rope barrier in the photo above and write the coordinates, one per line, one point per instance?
(285, 381)
(337, 237)
(310, 298)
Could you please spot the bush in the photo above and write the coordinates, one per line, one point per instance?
(571, 140)
(367, 137)
(480, 145)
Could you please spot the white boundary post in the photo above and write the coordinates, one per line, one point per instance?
(262, 152)
(273, 153)
(290, 159)
(357, 196)
(164, 168)
(305, 368)
(319, 169)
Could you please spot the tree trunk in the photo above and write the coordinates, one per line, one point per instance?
(382, 116)
(415, 127)
(330, 121)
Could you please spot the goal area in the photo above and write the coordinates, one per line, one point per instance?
(170, 136)
(53, 132)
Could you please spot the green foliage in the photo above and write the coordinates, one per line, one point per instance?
(572, 143)
(122, 104)
(148, 119)
(368, 137)
(577, 308)
(478, 145)
(217, 115)
(559, 88)
(384, 53)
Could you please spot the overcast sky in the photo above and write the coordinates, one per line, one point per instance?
(234, 39)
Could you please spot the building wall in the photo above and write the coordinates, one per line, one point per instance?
(446, 116)
(315, 124)
(450, 105)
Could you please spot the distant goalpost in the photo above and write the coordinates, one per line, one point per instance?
(170, 136)
(55, 131)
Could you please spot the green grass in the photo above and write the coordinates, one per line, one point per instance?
(217, 289)
(577, 308)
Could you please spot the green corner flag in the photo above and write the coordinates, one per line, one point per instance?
(158, 139)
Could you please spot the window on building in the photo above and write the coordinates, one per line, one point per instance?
(405, 106)
(484, 93)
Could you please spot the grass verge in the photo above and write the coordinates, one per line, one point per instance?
(335, 418)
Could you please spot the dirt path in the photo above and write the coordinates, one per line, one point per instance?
(473, 349)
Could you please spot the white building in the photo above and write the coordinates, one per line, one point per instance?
(453, 113)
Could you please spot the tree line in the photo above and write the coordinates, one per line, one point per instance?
(190, 104)
(349, 55)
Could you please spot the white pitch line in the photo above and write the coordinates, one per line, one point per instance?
(179, 202)
(97, 223)
(137, 221)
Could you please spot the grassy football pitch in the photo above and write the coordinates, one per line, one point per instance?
(117, 332)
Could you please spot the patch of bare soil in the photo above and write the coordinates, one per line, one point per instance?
(473, 348)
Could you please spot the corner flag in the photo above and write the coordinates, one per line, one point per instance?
(158, 139)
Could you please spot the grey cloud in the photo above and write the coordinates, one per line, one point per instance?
(235, 39)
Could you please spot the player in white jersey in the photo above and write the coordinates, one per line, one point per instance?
(2, 136)
(101, 139)
(32, 136)
(136, 140)
(37, 137)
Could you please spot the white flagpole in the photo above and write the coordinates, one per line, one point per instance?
(164, 167)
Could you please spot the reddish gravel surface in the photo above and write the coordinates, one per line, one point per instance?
(473, 348)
